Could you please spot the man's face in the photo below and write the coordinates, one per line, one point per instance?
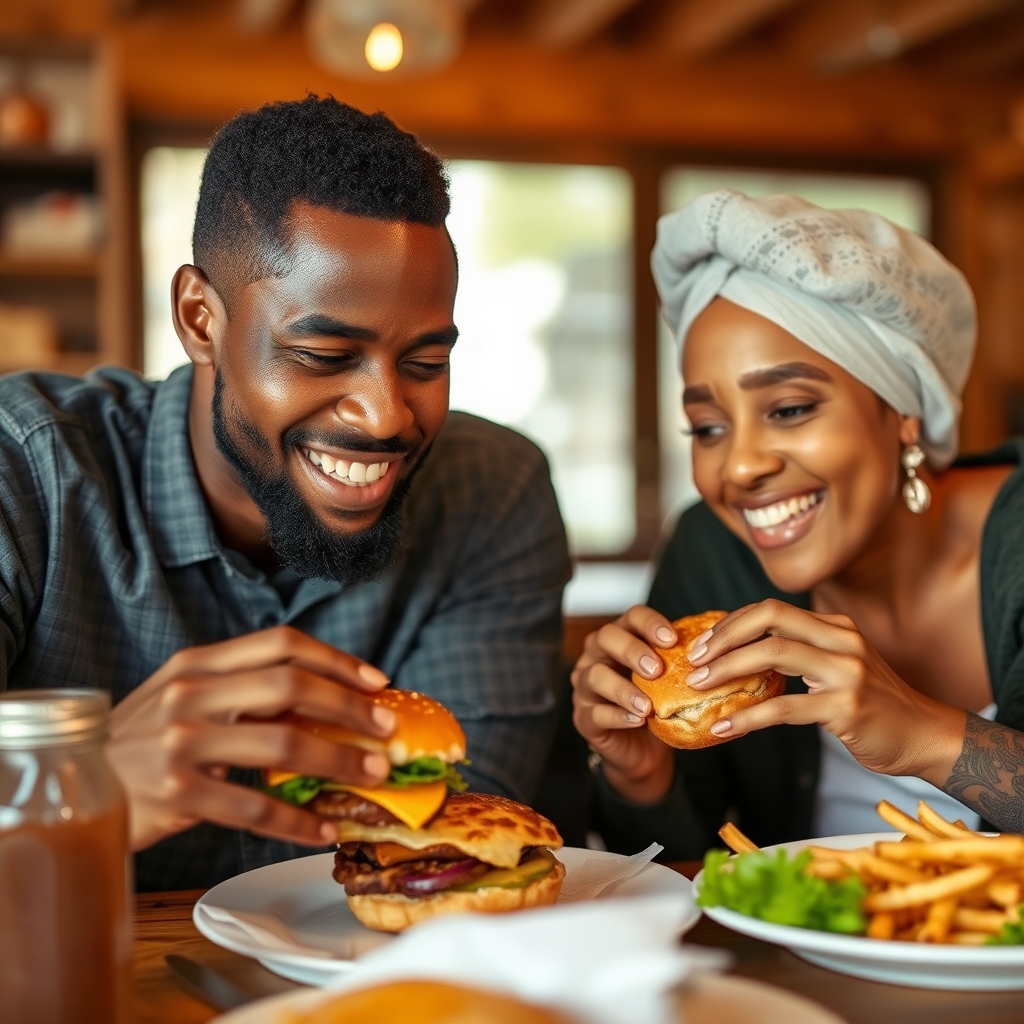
(332, 383)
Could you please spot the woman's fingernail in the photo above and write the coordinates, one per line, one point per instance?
(632, 718)
(698, 675)
(704, 637)
(641, 704)
(648, 665)
(372, 675)
(665, 635)
(376, 765)
(697, 653)
(722, 728)
(384, 718)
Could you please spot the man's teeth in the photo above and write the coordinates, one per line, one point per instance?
(772, 515)
(355, 474)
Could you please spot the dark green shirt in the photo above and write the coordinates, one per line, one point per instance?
(766, 781)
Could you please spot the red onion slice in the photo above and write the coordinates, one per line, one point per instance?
(454, 873)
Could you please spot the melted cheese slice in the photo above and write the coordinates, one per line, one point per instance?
(413, 806)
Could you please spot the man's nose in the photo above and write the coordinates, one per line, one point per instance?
(378, 410)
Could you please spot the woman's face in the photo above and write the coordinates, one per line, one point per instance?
(799, 459)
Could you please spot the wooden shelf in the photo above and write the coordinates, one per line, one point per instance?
(49, 266)
(42, 156)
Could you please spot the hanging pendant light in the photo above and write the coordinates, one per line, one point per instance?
(372, 38)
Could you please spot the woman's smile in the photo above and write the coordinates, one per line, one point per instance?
(775, 522)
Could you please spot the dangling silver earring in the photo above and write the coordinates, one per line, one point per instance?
(915, 490)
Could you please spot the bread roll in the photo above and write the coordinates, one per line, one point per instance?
(682, 715)
(424, 1002)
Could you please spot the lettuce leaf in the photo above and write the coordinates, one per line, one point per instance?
(299, 790)
(303, 788)
(426, 769)
(1010, 934)
(775, 888)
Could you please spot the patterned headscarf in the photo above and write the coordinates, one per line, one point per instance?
(877, 300)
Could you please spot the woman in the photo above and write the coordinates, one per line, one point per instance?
(823, 353)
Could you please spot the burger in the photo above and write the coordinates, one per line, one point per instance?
(425, 1002)
(418, 845)
(682, 715)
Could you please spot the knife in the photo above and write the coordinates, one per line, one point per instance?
(205, 984)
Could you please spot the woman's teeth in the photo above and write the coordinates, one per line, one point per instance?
(355, 474)
(773, 515)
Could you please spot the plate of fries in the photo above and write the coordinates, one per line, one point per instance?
(935, 897)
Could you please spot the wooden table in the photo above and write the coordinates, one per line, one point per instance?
(164, 925)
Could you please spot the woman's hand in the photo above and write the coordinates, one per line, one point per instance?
(888, 726)
(609, 712)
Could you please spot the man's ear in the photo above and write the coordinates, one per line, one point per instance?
(199, 314)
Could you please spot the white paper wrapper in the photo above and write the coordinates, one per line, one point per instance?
(612, 961)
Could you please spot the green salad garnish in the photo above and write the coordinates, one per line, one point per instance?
(1011, 934)
(775, 888)
(303, 788)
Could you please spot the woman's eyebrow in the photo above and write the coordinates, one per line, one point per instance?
(781, 373)
(696, 393)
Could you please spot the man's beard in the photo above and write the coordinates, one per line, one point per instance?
(297, 535)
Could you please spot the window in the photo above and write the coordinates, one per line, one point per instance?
(545, 315)
(903, 200)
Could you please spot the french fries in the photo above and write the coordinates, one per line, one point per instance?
(941, 883)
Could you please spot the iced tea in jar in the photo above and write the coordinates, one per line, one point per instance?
(65, 925)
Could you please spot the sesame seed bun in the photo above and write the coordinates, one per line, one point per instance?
(425, 729)
(683, 716)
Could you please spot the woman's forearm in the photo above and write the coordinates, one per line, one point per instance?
(988, 776)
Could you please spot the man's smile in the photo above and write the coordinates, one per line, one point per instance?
(353, 482)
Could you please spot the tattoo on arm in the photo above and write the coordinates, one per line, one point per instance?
(989, 773)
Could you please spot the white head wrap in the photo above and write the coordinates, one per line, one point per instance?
(875, 299)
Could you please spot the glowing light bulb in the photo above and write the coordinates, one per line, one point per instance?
(384, 47)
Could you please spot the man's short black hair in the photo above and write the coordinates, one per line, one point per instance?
(316, 151)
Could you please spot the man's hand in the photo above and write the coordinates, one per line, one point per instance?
(173, 739)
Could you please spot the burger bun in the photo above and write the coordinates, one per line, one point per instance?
(394, 912)
(682, 715)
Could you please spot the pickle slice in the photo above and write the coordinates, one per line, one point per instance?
(539, 865)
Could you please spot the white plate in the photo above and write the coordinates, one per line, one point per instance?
(711, 1000)
(966, 968)
(303, 895)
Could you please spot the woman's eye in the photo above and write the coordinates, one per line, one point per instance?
(792, 412)
(704, 433)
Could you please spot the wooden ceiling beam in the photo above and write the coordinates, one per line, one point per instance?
(699, 28)
(568, 23)
(259, 17)
(842, 37)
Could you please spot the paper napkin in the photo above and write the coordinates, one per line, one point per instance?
(613, 961)
(593, 876)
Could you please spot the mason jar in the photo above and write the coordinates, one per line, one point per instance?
(65, 924)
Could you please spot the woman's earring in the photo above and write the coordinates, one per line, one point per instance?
(915, 490)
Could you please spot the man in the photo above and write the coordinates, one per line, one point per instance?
(291, 521)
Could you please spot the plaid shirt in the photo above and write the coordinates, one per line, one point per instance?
(109, 563)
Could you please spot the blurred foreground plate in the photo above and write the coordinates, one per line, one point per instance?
(918, 964)
(713, 999)
(304, 896)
